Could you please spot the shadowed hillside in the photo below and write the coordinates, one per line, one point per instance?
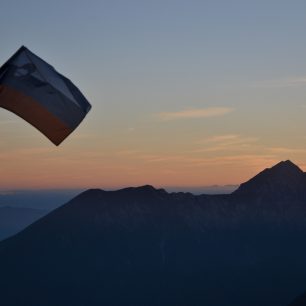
(144, 246)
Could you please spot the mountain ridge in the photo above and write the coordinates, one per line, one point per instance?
(144, 246)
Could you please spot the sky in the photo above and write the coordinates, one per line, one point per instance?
(183, 93)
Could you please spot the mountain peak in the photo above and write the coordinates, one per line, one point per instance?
(286, 165)
(146, 188)
(279, 179)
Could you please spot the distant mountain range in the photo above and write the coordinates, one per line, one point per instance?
(37, 199)
(20, 208)
(147, 247)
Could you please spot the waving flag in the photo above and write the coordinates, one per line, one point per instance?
(35, 91)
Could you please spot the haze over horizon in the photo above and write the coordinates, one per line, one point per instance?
(189, 94)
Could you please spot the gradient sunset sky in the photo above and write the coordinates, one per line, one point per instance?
(183, 93)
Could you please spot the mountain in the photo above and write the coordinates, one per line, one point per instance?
(14, 219)
(145, 246)
(283, 180)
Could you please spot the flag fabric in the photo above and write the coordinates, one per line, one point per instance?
(35, 91)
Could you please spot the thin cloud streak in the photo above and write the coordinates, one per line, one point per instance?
(227, 142)
(284, 150)
(195, 113)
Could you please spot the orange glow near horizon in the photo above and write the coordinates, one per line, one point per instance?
(182, 94)
(227, 159)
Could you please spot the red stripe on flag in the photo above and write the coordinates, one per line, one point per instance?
(34, 113)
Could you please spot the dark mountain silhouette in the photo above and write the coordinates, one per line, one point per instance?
(14, 219)
(283, 180)
(144, 246)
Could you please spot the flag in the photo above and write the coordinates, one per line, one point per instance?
(35, 91)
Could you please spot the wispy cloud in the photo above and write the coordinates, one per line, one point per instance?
(192, 162)
(284, 150)
(195, 113)
(226, 142)
(221, 139)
